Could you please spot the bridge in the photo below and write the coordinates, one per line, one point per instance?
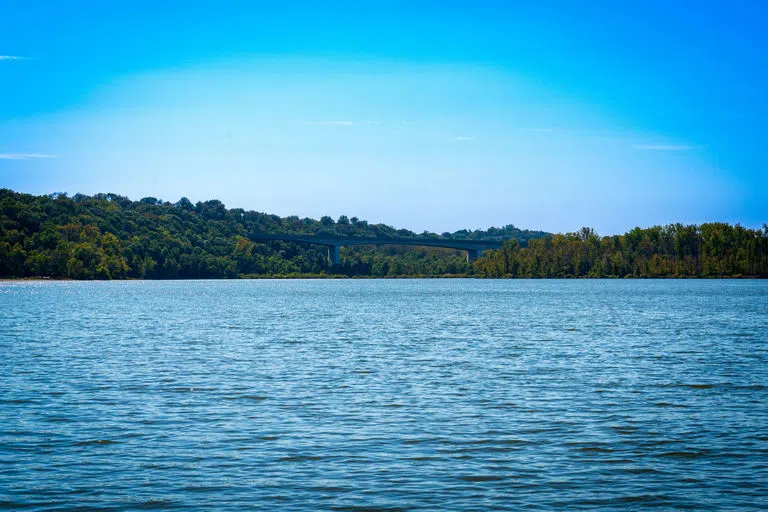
(474, 248)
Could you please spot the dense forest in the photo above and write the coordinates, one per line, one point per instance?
(709, 250)
(108, 236)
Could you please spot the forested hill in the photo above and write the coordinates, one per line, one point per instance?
(108, 236)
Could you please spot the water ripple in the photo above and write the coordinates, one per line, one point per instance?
(384, 395)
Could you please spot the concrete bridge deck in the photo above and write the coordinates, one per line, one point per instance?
(474, 248)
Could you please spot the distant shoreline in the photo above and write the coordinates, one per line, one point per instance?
(394, 278)
(110, 237)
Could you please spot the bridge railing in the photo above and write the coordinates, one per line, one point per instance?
(474, 248)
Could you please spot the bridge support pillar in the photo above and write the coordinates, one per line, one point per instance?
(473, 254)
(334, 254)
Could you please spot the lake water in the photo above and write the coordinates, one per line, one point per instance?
(384, 394)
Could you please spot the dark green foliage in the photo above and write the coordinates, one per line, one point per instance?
(709, 250)
(499, 234)
(108, 236)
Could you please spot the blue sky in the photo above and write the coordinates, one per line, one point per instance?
(424, 115)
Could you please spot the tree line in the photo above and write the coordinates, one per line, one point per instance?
(708, 250)
(108, 236)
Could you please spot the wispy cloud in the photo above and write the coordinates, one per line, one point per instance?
(541, 130)
(463, 138)
(663, 147)
(11, 57)
(343, 123)
(24, 156)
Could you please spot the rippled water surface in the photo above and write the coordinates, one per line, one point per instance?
(376, 395)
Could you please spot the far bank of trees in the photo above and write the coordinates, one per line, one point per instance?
(108, 236)
(709, 250)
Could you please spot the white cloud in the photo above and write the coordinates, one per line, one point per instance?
(11, 57)
(343, 123)
(24, 156)
(663, 147)
(463, 138)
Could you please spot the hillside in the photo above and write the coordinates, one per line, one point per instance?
(108, 236)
